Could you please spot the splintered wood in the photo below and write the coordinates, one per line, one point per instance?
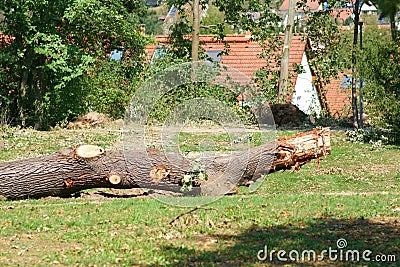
(302, 148)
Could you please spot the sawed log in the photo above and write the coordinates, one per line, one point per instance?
(71, 170)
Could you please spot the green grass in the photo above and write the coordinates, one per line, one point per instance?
(355, 194)
(27, 143)
(196, 142)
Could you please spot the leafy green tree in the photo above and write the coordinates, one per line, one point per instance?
(57, 43)
(241, 16)
(330, 51)
(332, 4)
(153, 25)
(328, 43)
(380, 67)
(389, 8)
(213, 20)
(238, 16)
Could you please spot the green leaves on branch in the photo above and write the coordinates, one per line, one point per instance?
(197, 173)
(329, 53)
(380, 70)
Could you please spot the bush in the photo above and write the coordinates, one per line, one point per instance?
(110, 88)
(375, 137)
(380, 70)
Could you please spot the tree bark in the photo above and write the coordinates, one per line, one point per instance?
(71, 170)
(356, 12)
(392, 17)
(284, 71)
(196, 31)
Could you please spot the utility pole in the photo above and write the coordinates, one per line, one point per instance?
(196, 31)
(284, 75)
(195, 42)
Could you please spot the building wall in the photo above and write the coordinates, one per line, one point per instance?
(305, 95)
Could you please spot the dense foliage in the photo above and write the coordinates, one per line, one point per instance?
(389, 8)
(380, 68)
(56, 62)
(57, 44)
(238, 16)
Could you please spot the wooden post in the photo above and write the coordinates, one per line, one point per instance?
(195, 42)
(284, 75)
(196, 31)
(361, 80)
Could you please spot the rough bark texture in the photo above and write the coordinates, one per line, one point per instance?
(356, 12)
(284, 72)
(66, 171)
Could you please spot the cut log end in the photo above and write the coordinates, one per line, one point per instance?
(89, 151)
(114, 179)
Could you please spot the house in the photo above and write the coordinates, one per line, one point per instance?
(368, 8)
(342, 14)
(337, 94)
(311, 5)
(244, 56)
(154, 3)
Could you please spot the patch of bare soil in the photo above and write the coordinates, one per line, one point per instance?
(288, 115)
(109, 193)
(93, 120)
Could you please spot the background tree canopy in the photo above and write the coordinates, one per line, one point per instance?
(57, 44)
(380, 68)
(58, 65)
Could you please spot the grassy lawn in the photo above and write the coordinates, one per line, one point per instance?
(354, 195)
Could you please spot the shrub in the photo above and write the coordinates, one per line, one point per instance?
(375, 137)
(380, 70)
(111, 86)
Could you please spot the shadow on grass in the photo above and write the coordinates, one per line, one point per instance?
(381, 237)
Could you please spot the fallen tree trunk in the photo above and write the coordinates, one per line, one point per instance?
(71, 170)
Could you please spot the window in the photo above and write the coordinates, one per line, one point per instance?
(172, 12)
(117, 54)
(346, 82)
(159, 52)
(215, 55)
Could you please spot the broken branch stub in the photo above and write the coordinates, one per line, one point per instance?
(89, 151)
(158, 173)
(114, 179)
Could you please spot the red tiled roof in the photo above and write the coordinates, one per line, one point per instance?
(383, 26)
(244, 53)
(341, 14)
(150, 51)
(338, 99)
(311, 4)
(6, 40)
